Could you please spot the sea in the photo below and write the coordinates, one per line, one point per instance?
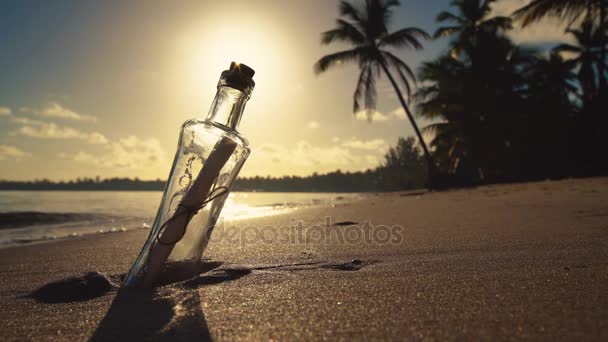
(29, 217)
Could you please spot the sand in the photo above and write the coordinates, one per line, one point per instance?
(523, 261)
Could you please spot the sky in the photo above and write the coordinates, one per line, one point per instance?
(100, 88)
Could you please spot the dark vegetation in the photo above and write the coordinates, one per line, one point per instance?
(500, 112)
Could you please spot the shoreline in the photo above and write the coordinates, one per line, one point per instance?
(123, 224)
(533, 269)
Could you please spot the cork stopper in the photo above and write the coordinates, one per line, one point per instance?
(239, 76)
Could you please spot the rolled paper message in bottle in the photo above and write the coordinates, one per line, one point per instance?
(194, 200)
(214, 151)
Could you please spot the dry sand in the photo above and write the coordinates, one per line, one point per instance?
(525, 261)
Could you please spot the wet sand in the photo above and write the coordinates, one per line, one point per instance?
(523, 261)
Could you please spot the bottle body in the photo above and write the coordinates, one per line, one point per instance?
(198, 139)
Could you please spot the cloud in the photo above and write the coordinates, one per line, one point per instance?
(397, 114)
(5, 111)
(96, 138)
(26, 121)
(371, 116)
(56, 110)
(313, 125)
(128, 153)
(50, 131)
(375, 160)
(304, 157)
(548, 30)
(305, 154)
(84, 157)
(370, 145)
(43, 130)
(12, 152)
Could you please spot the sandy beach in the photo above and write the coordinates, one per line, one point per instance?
(523, 261)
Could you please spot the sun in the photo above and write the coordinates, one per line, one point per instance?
(207, 50)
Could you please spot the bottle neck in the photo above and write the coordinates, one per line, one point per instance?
(227, 107)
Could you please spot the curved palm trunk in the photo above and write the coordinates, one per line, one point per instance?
(432, 168)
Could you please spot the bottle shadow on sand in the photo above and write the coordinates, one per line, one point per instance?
(173, 310)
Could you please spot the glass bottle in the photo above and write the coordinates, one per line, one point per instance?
(209, 156)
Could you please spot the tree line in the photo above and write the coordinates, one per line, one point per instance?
(403, 168)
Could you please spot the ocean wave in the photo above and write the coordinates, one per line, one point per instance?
(29, 227)
(21, 219)
(55, 232)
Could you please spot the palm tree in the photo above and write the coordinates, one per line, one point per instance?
(587, 57)
(492, 127)
(443, 100)
(366, 29)
(471, 19)
(572, 10)
(462, 85)
(550, 83)
(552, 79)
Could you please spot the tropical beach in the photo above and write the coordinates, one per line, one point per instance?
(200, 170)
(526, 261)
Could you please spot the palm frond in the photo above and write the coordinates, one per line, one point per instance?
(371, 94)
(349, 11)
(497, 24)
(486, 6)
(538, 9)
(434, 127)
(567, 48)
(441, 106)
(386, 8)
(406, 37)
(446, 31)
(448, 16)
(336, 58)
(345, 32)
(391, 3)
(365, 95)
(360, 88)
(406, 75)
(426, 92)
(376, 18)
